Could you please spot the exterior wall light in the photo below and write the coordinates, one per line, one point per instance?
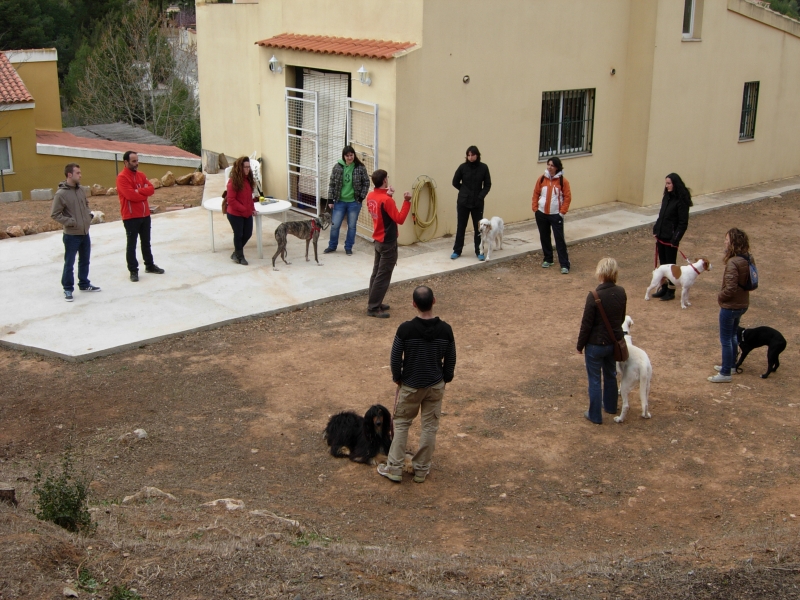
(275, 65)
(363, 76)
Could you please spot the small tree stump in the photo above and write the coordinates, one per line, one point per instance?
(7, 494)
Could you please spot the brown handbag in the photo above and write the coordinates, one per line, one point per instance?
(225, 202)
(620, 346)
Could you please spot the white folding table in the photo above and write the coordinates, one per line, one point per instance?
(213, 205)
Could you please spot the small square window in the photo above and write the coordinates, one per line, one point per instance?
(747, 124)
(6, 164)
(567, 123)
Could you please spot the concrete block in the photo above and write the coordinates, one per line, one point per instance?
(11, 196)
(42, 194)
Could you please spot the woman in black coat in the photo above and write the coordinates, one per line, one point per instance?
(673, 219)
(473, 183)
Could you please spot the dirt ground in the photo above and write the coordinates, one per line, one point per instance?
(526, 499)
(37, 212)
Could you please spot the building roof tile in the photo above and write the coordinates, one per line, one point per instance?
(324, 44)
(63, 138)
(12, 90)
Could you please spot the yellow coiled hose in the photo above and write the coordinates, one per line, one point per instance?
(421, 224)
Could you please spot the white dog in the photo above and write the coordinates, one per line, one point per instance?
(636, 368)
(491, 235)
(684, 276)
(98, 216)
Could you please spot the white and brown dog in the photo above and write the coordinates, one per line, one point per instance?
(491, 235)
(636, 369)
(684, 276)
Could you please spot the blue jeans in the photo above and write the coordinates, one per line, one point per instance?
(600, 359)
(340, 209)
(728, 322)
(82, 246)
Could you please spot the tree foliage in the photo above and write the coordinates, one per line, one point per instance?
(135, 76)
(790, 8)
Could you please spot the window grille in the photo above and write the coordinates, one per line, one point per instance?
(6, 166)
(747, 125)
(567, 123)
(688, 18)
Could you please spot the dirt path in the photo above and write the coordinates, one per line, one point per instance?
(525, 496)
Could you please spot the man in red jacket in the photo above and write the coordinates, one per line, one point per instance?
(385, 219)
(134, 189)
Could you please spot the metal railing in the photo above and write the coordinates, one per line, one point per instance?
(567, 122)
(747, 124)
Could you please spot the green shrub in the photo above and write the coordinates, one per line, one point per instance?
(62, 498)
(121, 592)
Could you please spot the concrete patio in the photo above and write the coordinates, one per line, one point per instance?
(202, 290)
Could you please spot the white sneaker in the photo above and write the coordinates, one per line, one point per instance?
(720, 378)
(717, 368)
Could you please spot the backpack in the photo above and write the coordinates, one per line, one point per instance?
(752, 281)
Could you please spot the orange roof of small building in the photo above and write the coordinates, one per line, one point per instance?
(325, 44)
(12, 90)
(62, 138)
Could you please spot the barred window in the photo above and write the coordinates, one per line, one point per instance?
(747, 125)
(567, 123)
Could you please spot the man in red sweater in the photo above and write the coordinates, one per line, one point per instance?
(385, 219)
(134, 189)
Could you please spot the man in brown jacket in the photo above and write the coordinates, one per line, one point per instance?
(71, 209)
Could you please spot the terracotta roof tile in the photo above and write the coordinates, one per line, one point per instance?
(324, 44)
(62, 138)
(12, 90)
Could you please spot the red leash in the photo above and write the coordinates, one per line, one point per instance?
(655, 259)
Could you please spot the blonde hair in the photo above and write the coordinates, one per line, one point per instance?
(607, 270)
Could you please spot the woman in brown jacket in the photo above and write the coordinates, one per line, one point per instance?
(733, 300)
(595, 339)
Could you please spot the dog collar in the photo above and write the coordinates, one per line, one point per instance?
(695, 269)
(314, 228)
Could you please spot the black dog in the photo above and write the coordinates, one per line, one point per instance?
(757, 337)
(361, 439)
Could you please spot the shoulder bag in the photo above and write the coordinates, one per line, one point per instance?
(620, 347)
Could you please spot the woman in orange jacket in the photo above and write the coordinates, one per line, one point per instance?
(550, 202)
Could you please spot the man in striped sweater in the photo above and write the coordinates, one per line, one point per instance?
(423, 361)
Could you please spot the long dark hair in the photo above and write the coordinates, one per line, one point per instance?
(348, 150)
(679, 189)
(473, 150)
(237, 174)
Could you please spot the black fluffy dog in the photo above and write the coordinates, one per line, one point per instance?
(757, 337)
(361, 439)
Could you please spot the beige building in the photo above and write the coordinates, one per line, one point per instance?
(623, 91)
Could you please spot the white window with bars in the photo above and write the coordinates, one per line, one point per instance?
(747, 124)
(567, 123)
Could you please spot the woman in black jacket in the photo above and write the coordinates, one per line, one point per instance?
(673, 219)
(473, 182)
(601, 368)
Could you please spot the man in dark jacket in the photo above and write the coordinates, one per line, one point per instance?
(473, 182)
(71, 209)
(423, 361)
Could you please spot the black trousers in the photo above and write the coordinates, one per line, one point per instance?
(555, 222)
(464, 215)
(242, 232)
(385, 260)
(136, 229)
(667, 255)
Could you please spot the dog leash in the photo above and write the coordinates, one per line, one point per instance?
(655, 258)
